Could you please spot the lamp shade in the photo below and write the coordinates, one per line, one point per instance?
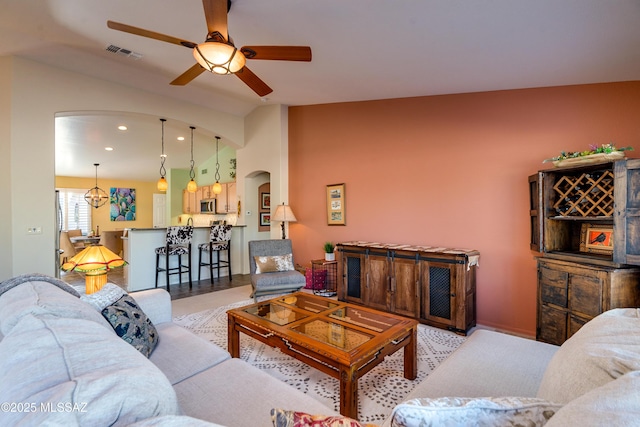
(162, 184)
(219, 58)
(284, 213)
(192, 187)
(94, 259)
(217, 188)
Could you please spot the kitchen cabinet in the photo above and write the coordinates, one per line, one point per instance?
(227, 200)
(581, 274)
(189, 203)
(435, 286)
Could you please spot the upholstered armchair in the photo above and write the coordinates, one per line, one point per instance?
(272, 268)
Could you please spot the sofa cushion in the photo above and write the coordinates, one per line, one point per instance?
(173, 421)
(132, 325)
(614, 404)
(40, 297)
(244, 397)
(181, 354)
(488, 411)
(489, 363)
(605, 348)
(269, 264)
(83, 365)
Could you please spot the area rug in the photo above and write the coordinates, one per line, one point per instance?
(378, 391)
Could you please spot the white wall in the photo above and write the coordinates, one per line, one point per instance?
(265, 150)
(31, 95)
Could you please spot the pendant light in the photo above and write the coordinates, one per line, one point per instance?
(96, 196)
(217, 187)
(192, 186)
(162, 182)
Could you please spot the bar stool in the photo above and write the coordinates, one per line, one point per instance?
(219, 240)
(178, 242)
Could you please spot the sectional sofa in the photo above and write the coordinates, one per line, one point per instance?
(63, 363)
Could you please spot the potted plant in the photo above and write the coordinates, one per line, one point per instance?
(328, 252)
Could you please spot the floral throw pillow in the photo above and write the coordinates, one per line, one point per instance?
(132, 325)
(283, 418)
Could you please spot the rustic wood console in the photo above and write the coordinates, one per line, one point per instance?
(436, 286)
(585, 223)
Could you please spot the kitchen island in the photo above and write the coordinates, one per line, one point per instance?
(139, 251)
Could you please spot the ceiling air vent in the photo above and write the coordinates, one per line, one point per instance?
(123, 52)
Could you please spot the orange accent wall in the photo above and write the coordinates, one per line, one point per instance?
(449, 171)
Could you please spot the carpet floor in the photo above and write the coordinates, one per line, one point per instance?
(378, 391)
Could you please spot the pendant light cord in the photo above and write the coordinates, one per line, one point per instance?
(163, 171)
(217, 176)
(192, 174)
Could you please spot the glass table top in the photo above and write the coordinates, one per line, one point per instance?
(276, 313)
(315, 305)
(365, 319)
(336, 335)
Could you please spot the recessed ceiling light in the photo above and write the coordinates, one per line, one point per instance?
(181, 138)
(108, 148)
(122, 127)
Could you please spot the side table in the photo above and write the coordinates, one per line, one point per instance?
(328, 286)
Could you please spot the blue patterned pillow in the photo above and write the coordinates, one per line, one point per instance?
(132, 325)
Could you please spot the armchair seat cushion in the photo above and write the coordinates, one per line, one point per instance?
(278, 279)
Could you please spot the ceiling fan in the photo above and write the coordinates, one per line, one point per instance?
(218, 53)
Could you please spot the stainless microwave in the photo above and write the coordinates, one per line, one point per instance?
(208, 206)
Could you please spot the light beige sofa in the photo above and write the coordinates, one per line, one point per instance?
(593, 379)
(61, 363)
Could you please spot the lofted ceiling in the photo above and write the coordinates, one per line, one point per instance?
(362, 49)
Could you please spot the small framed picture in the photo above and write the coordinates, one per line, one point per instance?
(265, 199)
(265, 219)
(596, 238)
(336, 205)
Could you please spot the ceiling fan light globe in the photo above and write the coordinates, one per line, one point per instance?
(219, 58)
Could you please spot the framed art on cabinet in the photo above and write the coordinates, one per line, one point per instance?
(596, 238)
(336, 205)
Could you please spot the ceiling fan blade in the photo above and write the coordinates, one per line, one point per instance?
(277, 53)
(215, 12)
(188, 75)
(150, 34)
(254, 82)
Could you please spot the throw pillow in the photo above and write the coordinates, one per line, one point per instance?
(481, 411)
(106, 296)
(605, 348)
(132, 325)
(284, 418)
(269, 264)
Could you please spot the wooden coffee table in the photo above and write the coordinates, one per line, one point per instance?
(340, 339)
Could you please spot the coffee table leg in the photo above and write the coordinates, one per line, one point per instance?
(348, 392)
(410, 356)
(233, 337)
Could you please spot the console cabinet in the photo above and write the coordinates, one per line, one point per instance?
(435, 286)
(585, 223)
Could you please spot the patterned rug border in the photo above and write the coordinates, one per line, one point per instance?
(378, 391)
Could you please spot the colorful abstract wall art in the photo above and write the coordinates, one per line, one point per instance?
(123, 204)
